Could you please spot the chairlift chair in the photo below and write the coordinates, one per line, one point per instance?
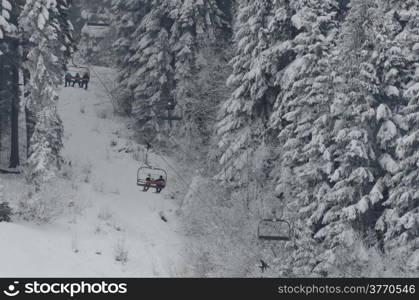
(171, 107)
(81, 70)
(76, 68)
(145, 171)
(274, 230)
(98, 24)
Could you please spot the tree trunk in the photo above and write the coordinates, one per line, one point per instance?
(14, 139)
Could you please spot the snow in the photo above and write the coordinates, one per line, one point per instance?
(383, 112)
(6, 5)
(116, 214)
(413, 91)
(388, 164)
(297, 21)
(292, 71)
(392, 91)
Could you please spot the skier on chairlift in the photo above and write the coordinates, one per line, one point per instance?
(77, 80)
(161, 183)
(85, 80)
(147, 183)
(68, 79)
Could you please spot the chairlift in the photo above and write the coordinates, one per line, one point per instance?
(171, 105)
(97, 24)
(170, 108)
(274, 230)
(77, 68)
(149, 176)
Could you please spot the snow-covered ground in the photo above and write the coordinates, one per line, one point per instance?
(113, 216)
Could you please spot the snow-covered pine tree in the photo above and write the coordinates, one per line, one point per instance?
(128, 14)
(353, 156)
(399, 222)
(6, 27)
(302, 123)
(65, 31)
(46, 140)
(364, 130)
(152, 81)
(160, 59)
(243, 115)
(41, 26)
(199, 35)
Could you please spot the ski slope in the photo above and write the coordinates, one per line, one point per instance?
(117, 218)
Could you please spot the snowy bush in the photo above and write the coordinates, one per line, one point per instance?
(37, 208)
(5, 212)
(46, 203)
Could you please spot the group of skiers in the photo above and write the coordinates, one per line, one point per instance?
(82, 81)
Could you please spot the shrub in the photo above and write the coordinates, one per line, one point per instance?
(5, 212)
(43, 205)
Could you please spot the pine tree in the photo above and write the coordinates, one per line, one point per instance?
(200, 31)
(242, 117)
(46, 145)
(65, 31)
(399, 223)
(153, 80)
(127, 15)
(302, 122)
(40, 21)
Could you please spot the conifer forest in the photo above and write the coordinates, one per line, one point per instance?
(209, 138)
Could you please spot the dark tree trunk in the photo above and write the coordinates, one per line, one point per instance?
(14, 146)
(16, 63)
